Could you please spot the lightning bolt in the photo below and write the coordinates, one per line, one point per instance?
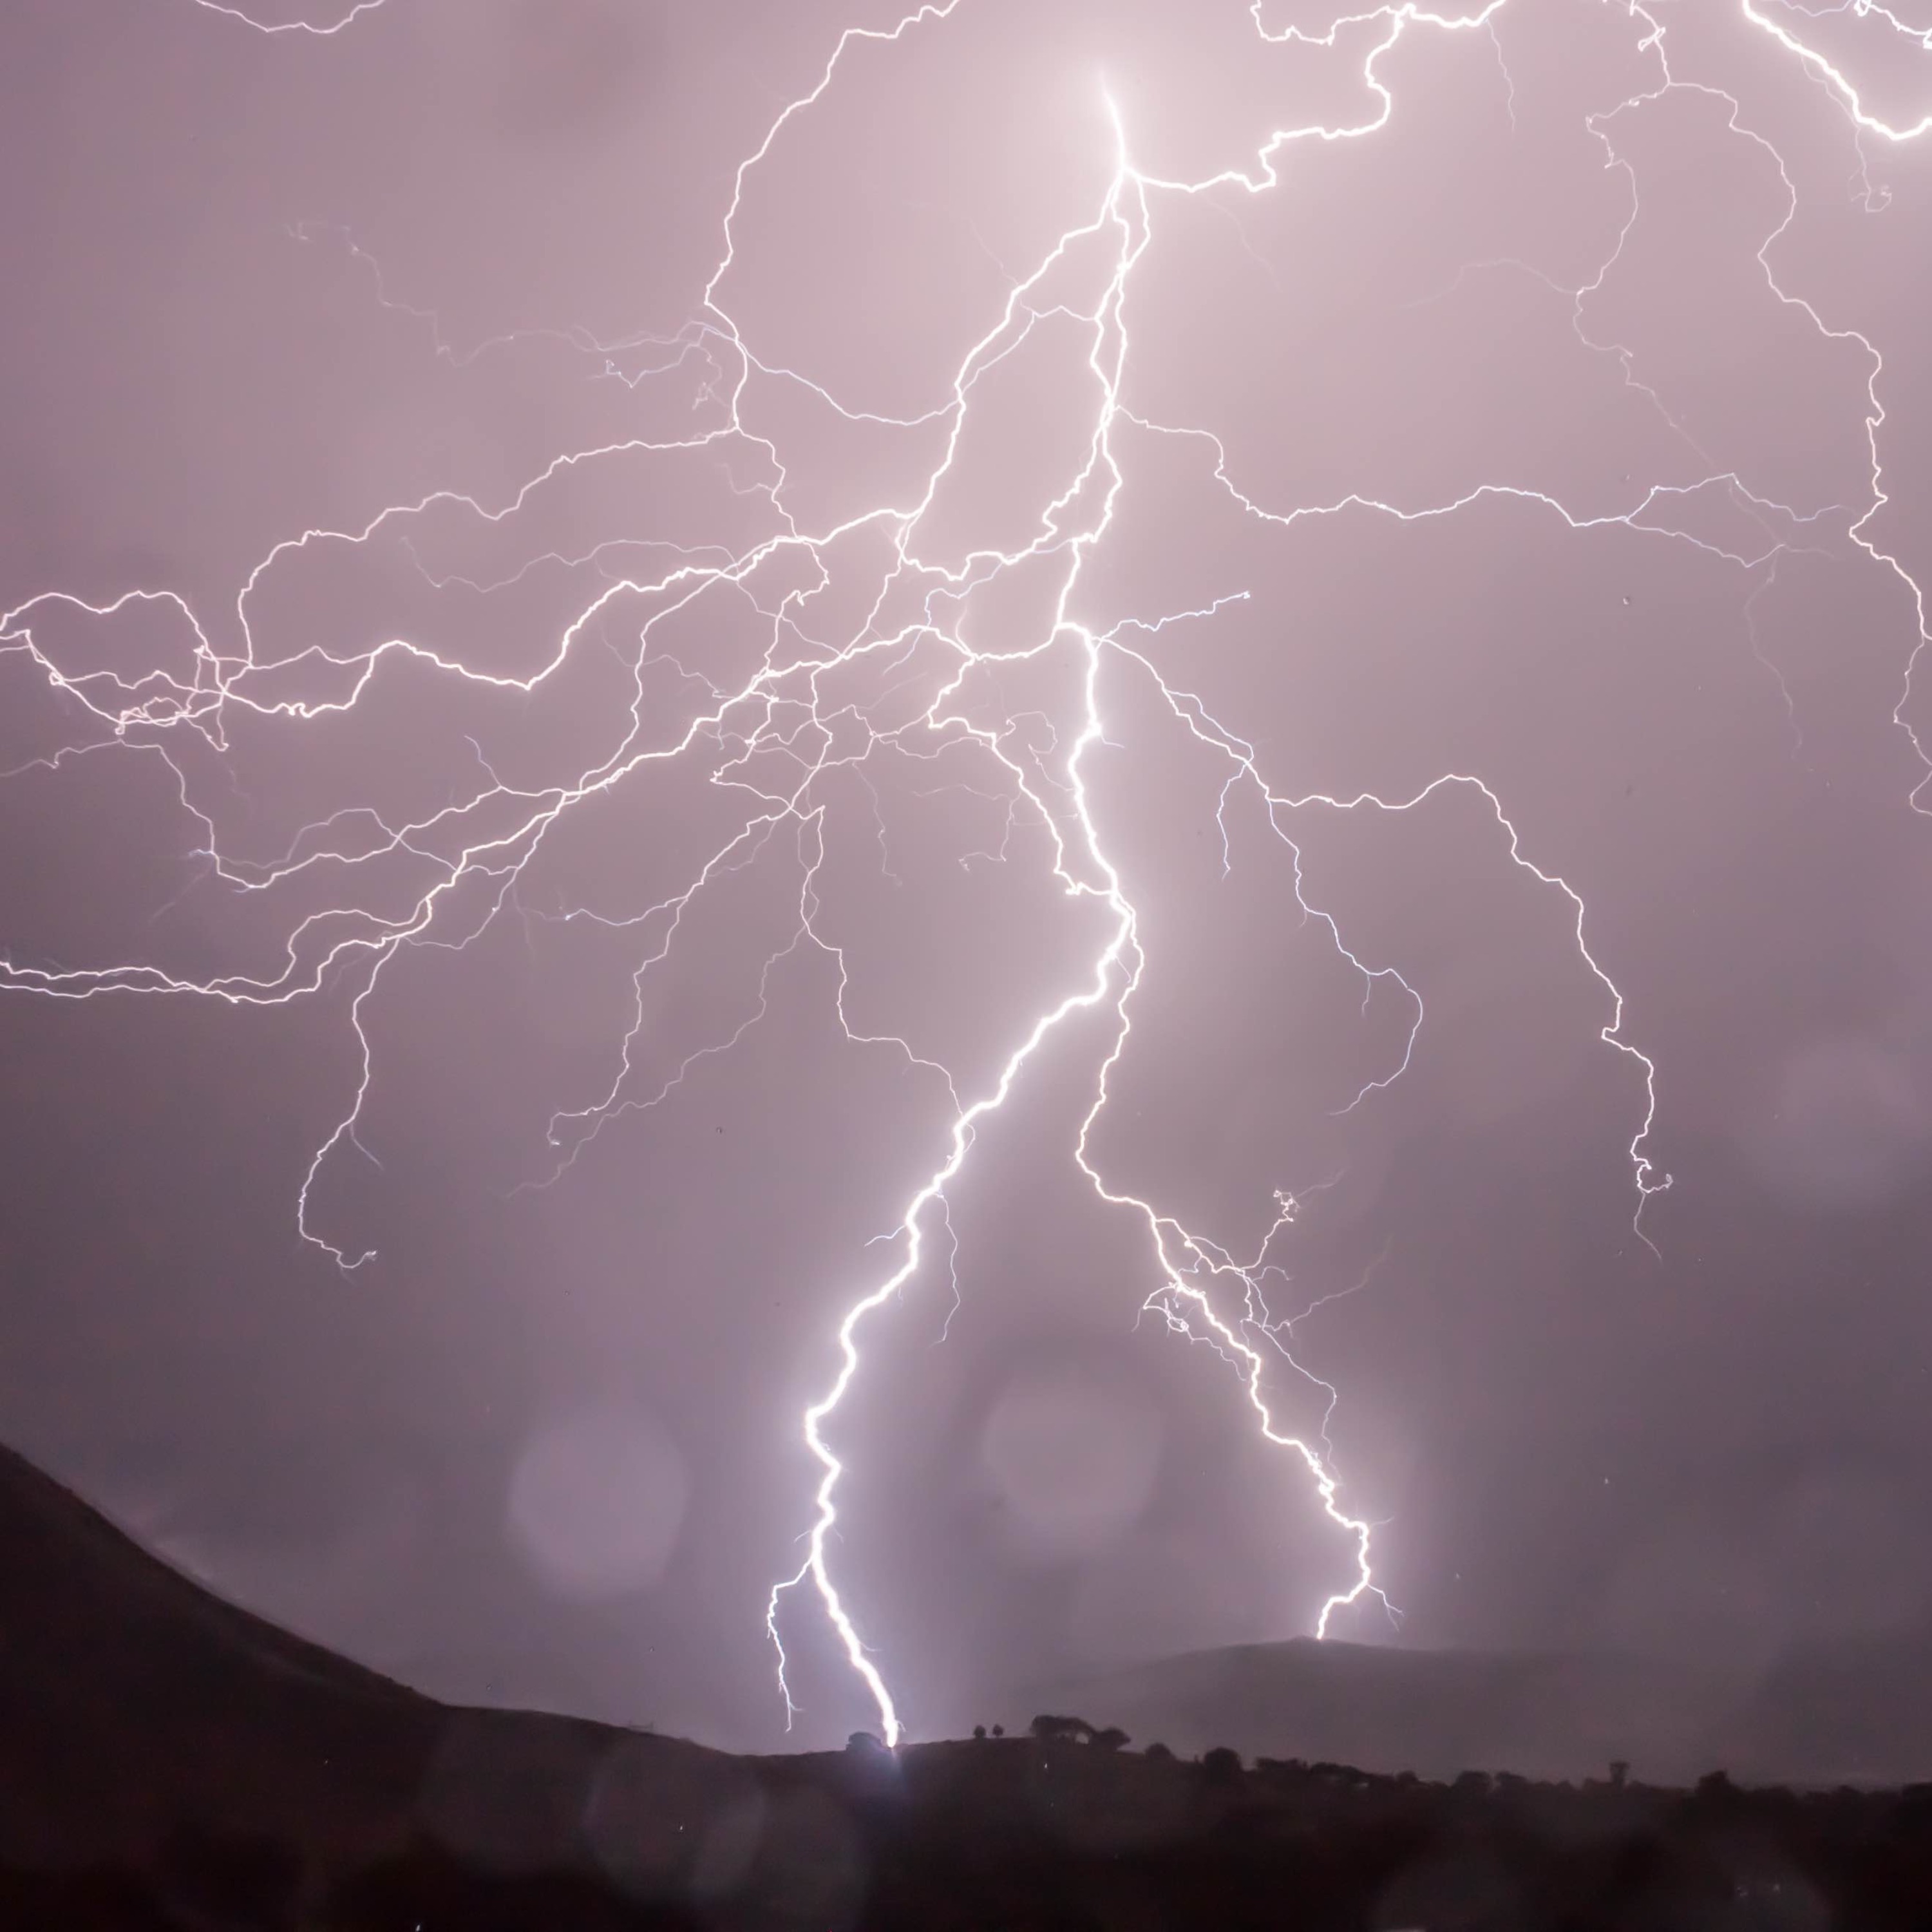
(905, 679)
(315, 30)
(1848, 96)
(1849, 99)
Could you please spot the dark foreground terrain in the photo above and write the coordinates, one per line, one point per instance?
(167, 1762)
(1013, 1834)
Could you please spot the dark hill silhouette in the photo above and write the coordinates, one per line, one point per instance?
(129, 1699)
(169, 1762)
(1819, 1716)
(1433, 1713)
(134, 1702)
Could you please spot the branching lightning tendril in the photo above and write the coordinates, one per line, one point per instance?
(482, 844)
(318, 30)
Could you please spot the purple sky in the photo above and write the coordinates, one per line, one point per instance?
(713, 655)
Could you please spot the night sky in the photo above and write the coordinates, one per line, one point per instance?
(630, 723)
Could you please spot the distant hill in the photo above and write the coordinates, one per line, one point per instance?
(1859, 1715)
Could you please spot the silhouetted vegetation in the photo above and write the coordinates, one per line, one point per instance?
(1044, 1727)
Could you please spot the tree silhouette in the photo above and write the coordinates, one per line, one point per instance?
(1046, 1727)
